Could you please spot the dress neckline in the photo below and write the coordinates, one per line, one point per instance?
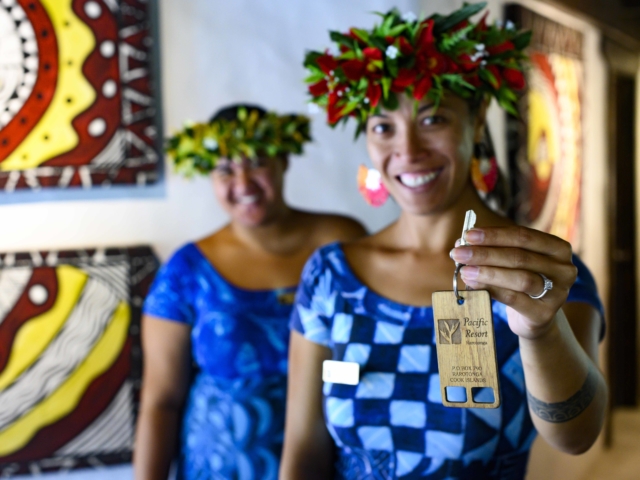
(236, 288)
(348, 270)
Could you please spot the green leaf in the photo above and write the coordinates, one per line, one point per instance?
(314, 77)
(378, 43)
(386, 86)
(447, 23)
(522, 41)
(449, 42)
(391, 102)
(361, 34)
(392, 66)
(342, 39)
(397, 30)
(386, 25)
(488, 77)
(310, 59)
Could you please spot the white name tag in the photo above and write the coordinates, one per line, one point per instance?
(347, 373)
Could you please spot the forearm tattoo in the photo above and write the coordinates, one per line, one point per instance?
(564, 411)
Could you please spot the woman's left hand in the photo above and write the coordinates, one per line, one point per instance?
(508, 262)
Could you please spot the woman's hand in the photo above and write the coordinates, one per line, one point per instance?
(508, 261)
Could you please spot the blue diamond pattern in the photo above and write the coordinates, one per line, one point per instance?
(414, 358)
(406, 413)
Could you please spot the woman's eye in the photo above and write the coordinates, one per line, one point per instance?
(223, 171)
(432, 120)
(381, 128)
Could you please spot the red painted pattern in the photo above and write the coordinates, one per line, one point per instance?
(33, 109)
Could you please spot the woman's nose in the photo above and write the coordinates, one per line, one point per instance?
(409, 146)
(242, 178)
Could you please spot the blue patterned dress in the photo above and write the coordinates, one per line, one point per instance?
(393, 424)
(233, 422)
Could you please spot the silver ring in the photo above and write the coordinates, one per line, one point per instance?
(455, 282)
(548, 285)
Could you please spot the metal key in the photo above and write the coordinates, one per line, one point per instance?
(469, 223)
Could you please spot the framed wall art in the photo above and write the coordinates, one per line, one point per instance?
(546, 143)
(70, 359)
(79, 97)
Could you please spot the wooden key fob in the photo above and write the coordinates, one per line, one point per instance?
(466, 344)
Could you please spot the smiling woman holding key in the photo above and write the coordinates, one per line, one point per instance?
(420, 90)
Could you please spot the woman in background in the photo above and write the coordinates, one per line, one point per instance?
(420, 90)
(222, 304)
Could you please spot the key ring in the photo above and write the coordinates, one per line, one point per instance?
(459, 298)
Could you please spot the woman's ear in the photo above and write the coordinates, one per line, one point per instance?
(480, 121)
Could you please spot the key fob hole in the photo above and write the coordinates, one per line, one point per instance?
(456, 394)
(482, 395)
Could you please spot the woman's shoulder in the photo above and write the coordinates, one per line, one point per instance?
(183, 259)
(330, 227)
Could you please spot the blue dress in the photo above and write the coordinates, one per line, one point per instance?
(393, 424)
(233, 422)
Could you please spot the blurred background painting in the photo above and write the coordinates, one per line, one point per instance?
(546, 142)
(70, 357)
(78, 101)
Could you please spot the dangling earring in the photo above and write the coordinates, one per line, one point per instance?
(371, 187)
(484, 168)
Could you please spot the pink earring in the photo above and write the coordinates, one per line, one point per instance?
(371, 187)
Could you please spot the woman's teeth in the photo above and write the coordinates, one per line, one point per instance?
(415, 180)
(247, 199)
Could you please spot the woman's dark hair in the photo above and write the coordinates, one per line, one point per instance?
(231, 112)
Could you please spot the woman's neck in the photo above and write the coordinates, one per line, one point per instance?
(437, 232)
(275, 236)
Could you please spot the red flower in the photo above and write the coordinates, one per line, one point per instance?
(473, 79)
(327, 63)
(319, 88)
(334, 105)
(426, 33)
(354, 69)
(496, 73)
(467, 64)
(501, 48)
(405, 78)
(405, 46)
(372, 53)
(374, 92)
(422, 87)
(482, 24)
(514, 78)
(460, 25)
(428, 58)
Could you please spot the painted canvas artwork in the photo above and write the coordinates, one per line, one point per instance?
(546, 143)
(70, 357)
(78, 94)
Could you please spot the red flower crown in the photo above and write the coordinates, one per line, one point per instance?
(420, 58)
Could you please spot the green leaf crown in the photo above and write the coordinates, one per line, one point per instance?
(197, 148)
(422, 58)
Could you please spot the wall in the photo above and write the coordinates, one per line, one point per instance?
(219, 52)
(215, 53)
(547, 463)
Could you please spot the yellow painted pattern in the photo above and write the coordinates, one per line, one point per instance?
(34, 336)
(66, 398)
(543, 139)
(54, 135)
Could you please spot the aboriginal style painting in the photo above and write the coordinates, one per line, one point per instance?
(78, 96)
(70, 363)
(546, 143)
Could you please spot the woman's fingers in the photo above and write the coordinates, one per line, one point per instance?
(534, 315)
(517, 280)
(560, 273)
(520, 237)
